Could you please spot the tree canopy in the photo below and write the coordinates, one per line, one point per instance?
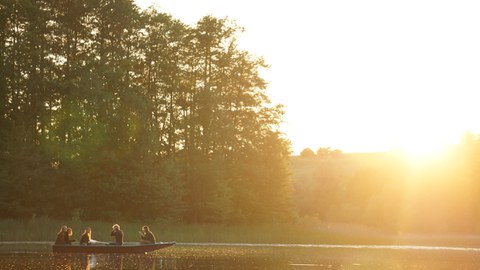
(113, 112)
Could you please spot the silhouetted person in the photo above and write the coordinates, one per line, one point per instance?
(68, 235)
(118, 235)
(86, 236)
(147, 236)
(61, 235)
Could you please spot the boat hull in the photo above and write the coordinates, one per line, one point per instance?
(125, 248)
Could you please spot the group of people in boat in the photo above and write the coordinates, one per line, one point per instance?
(64, 236)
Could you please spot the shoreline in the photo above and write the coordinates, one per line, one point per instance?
(44, 231)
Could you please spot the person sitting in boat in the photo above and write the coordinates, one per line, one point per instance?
(147, 236)
(61, 235)
(68, 235)
(86, 236)
(118, 235)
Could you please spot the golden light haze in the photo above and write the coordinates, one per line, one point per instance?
(361, 75)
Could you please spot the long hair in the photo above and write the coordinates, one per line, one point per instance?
(88, 231)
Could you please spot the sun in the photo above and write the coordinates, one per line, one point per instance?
(420, 149)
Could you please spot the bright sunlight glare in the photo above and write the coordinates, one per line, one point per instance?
(418, 150)
(361, 76)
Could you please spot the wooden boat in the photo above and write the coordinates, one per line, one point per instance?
(105, 248)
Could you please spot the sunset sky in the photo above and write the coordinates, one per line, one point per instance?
(361, 75)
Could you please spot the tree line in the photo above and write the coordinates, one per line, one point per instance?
(388, 191)
(109, 112)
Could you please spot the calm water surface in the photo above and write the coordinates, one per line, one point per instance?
(192, 256)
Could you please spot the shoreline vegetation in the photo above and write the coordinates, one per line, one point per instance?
(43, 229)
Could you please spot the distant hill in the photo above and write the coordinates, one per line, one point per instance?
(386, 190)
(346, 164)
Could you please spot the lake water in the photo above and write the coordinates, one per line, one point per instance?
(242, 256)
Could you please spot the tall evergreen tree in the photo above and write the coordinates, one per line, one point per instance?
(166, 120)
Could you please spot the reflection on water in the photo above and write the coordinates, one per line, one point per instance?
(84, 261)
(251, 257)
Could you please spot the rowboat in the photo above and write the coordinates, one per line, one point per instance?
(105, 248)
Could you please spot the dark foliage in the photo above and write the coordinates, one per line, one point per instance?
(107, 112)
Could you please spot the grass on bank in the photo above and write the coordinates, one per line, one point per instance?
(44, 229)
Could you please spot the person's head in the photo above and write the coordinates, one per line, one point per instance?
(63, 229)
(69, 231)
(116, 227)
(146, 228)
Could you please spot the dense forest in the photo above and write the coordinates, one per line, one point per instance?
(390, 191)
(112, 112)
(108, 112)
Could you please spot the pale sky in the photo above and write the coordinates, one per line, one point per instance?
(361, 76)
